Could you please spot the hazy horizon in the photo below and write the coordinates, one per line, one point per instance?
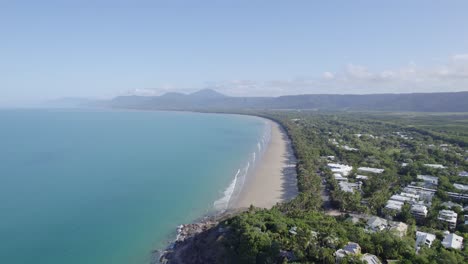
(101, 50)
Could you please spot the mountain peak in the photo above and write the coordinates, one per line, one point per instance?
(207, 94)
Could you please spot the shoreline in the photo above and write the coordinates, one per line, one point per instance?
(274, 178)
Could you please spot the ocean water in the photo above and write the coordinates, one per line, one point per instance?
(96, 186)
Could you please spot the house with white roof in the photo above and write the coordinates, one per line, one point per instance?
(376, 224)
(342, 169)
(463, 174)
(370, 170)
(460, 187)
(424, 239)
(435, 166)
(448, 216)
(394, 205)
(452, 240)
(350, 249)
(362, 177)
(418, 210)
(428, 179)
(349, 186)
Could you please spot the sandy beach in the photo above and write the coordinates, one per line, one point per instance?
(274, 178)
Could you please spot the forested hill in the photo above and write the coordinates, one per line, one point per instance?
(212, 100)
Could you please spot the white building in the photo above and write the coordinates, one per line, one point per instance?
(463, 174)
(460, 187)
(350, 249)
(362, 177)
(452, 241)
(424, 239)
(348, 148)
(429, 179)
(342, 169)
(418, 210)
(377, 224)
(435, 166)
(449, 217)
(370, 170)
(338, 177)
(394, 205)
(349, 186)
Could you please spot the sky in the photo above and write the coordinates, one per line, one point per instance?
(101, 49)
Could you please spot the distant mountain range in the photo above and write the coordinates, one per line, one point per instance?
(212, 100)
(208, 99)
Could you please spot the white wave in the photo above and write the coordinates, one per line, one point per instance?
(223, 202)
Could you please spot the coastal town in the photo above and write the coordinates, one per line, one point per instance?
(373, 189)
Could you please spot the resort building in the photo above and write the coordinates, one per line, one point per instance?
(349, 186)
(394, 205)
(429, 179)
(350, 249)
(370, 170)
(448, 216)
(424, 239)
(342, 169)
(418, 211)
(425, 194)
(338, 177)
(376, 224)
(452, 240)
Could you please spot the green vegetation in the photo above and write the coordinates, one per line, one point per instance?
(303, 230)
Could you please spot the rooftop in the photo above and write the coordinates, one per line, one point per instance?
(372, 170)
(452, 241)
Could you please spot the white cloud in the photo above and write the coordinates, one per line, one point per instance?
(460, 57)
(328, 75)
(358, 79)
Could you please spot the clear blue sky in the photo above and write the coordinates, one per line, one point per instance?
(49, 49)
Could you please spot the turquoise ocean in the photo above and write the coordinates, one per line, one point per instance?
(101, 186)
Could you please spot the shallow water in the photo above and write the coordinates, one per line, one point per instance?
(92, 186)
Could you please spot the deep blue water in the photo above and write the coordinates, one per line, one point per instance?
(93, 186)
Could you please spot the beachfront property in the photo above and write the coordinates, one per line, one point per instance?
(424, 239)
(418, 211)
(430, 180)
(370, 170)
(350, 249)
(460, 187)
(452, 240)
(349, 186)
(448, 216)
(435, 166)
(342, 169)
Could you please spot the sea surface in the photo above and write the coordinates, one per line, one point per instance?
(101, 186)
